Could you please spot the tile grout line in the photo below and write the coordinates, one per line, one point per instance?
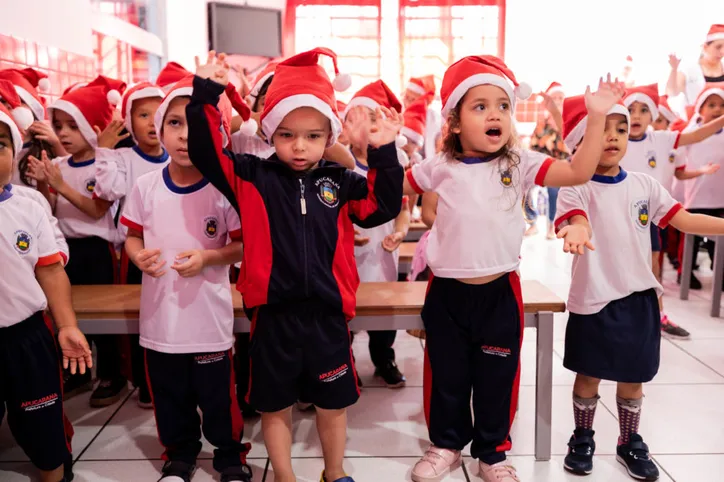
(663, 469)
(465, 471)
(266, 470)
(694, 357)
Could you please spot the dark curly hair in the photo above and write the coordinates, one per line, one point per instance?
(34, 148)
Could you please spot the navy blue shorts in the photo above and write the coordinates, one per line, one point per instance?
(621, 342)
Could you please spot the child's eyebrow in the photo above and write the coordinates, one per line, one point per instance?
(5, 136)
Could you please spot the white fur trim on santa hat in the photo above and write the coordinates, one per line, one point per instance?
(272, 120)
(416, 138)
(145, 93)
(249, 128)
(473, 81)
(644, 99)
(23, 117)
(161, 112)
(342, 82)
(360, 101)
(413, 87)
(402, 158)
(668, 115)
(705, 95)
(576, 135)
(85, 128)
(555, 90)
(254, 93)
(715, 36)
(14, 133)
(35, 106)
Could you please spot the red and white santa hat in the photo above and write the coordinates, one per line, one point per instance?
(16, 116)
(554, 88)
(415, 118)
(300, 81)
(665, 110)
(91, 106)
(716, 32)
(73, 86)
(476, 70)
(709, 90)
(575, 119)
(646, 94)
(171, 73)
(266, 72)
(143, 90)
(422, 85)
(373, 95)
(29, 83)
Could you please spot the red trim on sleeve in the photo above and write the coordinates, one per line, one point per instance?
(48, 260)
(672, 212)
(414, 183)
(64, 258)
(130, 224)
(681, 168)
(51, 190)
(569, 215)
(235, 235)
(541, 176)
(676, 142)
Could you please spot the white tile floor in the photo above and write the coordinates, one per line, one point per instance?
(682, 417)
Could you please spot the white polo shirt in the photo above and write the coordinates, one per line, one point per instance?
(479, 226)
(652, 155)
(26, 241)
(705, 192)
(183, 315)
(620, 211)
(74, 223)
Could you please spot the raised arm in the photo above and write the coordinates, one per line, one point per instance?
(677, 80)
(702, 133)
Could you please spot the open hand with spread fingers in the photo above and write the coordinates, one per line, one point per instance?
(385, 128)
(111, 135)
(216, 68)
(608, 94)
(575, 239)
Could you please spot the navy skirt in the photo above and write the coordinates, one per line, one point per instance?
(622, 342)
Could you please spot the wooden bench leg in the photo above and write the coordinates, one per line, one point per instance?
(687, 266)
(543, 385)
(718, 277)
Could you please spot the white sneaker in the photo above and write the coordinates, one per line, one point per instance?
(500, 472)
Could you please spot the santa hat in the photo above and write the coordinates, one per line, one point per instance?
(709, 90)
(267, 72)
(646, 94)
(554, 88)
(144, 90)
(415, 118)
(665, 110)
(374, 95)
(91, 106)
(716, 32)
(575, 119)
(476, 70)
(74, 86)
(28, 84)
(422, 85)
(16, 115)
(233, 99)
(171, 73)
(300, 81)
(341, 106)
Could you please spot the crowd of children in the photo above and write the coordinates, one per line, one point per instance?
(163, 185)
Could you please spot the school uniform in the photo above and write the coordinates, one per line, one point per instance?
(613, 330)
(474, 332)
(186, 324)
(30, 374)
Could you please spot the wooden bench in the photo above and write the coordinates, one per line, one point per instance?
(416, 231)
(380, 306)
(407, 251)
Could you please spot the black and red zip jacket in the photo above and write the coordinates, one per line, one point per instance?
(297, 228)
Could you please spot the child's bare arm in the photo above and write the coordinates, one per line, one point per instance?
(697, 223)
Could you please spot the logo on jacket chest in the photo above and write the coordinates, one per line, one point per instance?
(211, 227)
(22, 241)
(327, 191)
(651, 159)
(640, 213)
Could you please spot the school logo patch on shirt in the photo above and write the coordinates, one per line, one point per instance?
(328, 192)
(211, 227)
(672, 157)
(506, 178)
(651, 159)
(22, 241)
(90, 185)
(641, 213)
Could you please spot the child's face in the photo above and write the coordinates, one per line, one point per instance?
(175, 132)
(485, 120)
(713, 108)
(6, 155)
(558, 98)
(661, 124)
(410, 148)
(615, 140)
(68, 133)
(409, 98)
(142, 114)
(641, 119)
(260, 101)
(301, 138)
(715, 50)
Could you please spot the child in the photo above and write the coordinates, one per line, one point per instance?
(298, 276)
(31, 389)
(649, 152)
(613, 329)
(424, 87)
(177, 231)
(666, 115)
(415, 119)
(377, 252)
(88, 223)
(473, 313)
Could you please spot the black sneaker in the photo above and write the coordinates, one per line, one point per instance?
(241, 473)
(694, 283)
(74, 385)
(108, 392)
(635, 457)
(391, 375)
(673, 330)
(144, 396)
(581, 447)
(178, 469)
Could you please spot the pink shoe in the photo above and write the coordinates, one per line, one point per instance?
(500, 472)
(435, 464)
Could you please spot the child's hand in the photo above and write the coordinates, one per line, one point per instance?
(386, 127)
(36, 169)
(216, 68)
(360, 240)
(111, 135)
(392, 241)
(44, 132)
(357, 126)
(709, 169)
(75, 349)
(43, 170)
(674, 62)
(147, 261)
(575, 239)
(608, 93)
(192, 266)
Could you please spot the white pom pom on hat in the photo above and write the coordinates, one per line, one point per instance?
(23, 117)
(400, 141)
(44, 85)
(114, 97)
(523, 91)
(249, 128)
(342, 82)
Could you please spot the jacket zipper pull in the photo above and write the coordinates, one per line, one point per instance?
(303, 201)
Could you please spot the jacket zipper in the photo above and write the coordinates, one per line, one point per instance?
(303, 205)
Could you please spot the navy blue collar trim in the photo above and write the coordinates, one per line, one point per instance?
(72, 163)
(478, 160)
(357, 163)
(182, 190)
(639, 140)
(8, 187)
(610, 179)
(5, 194)
(27, 144)
(155, 159)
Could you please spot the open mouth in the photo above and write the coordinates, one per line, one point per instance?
(612, 150)
(493, 132)
(635, 125)
(152, 134)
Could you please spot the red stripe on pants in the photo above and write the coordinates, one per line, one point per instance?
(237, 419)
